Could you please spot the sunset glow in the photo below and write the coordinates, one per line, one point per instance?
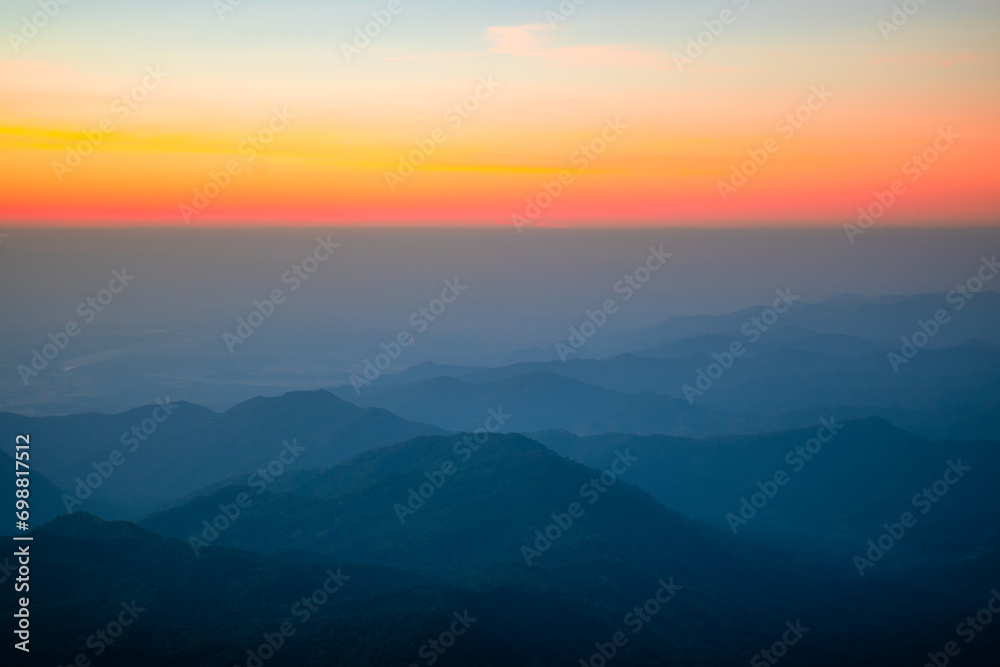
(164, 99)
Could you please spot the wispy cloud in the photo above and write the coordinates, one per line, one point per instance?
(436, 56)
(530, 41)
(931, 59)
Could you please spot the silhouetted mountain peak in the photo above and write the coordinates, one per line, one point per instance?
(84, 525)
(319, 399)
(849, 298)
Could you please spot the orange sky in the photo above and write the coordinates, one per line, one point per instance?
(136, 128)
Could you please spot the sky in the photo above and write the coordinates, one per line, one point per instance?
(525, 114)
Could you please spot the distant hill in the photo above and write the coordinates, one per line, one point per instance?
(946, 392)
(865, 476)
(194, 447)
(44, 495)
(210, 610)
(882, 320)
(540, 401)
(472, 529)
